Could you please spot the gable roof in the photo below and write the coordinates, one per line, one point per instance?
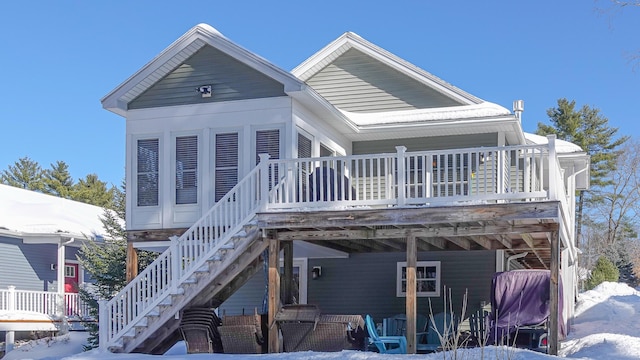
(29, 214)
(180, 50)
(452, 111)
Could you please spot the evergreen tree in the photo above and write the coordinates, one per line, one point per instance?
(590, 130)
(25, 174)
(604, 270)
(92, 190)
(106, 262)
(58, 181)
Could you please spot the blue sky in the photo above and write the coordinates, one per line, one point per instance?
(59, 58)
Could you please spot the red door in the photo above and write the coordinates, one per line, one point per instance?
(71, 278)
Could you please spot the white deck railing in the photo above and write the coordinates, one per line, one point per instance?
(44, 302)
(461, 176)
(496, 174)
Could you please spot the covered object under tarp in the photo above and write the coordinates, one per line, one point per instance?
(520, 298)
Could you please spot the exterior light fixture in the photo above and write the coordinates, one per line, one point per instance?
(316, 272)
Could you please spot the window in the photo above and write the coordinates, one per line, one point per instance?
(268, 142)
(69, 271)
(187, 170)
(147, 172)
(226, 163)
(427, 279)
(304, 146)
(326, 151)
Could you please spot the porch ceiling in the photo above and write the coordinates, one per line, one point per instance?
(513, 227)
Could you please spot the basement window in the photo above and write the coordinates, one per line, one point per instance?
(427, 279)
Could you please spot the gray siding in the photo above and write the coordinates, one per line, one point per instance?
(366, 284)
(356, 82)
(424, 144)
(231, 80)
(27, 266)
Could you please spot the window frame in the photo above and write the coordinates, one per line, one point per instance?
(424, 264)
(137, 172)
(197, 170)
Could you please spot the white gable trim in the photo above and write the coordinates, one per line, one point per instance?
(181, 49)
(350, 40)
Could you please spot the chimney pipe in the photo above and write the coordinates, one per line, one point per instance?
(518, 108)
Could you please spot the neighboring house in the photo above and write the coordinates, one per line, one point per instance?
(40, 236)
(384, 183)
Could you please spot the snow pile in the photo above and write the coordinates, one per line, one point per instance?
(607, 326)
(15, 315)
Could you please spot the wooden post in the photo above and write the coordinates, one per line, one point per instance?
(411, 294)
(132, 262)
(401, 175)
(287, 285)
(274, 294)
(554, 294)
(10, 335)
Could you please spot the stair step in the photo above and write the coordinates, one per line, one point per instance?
(190, 280)
(143, 323)
(216, 257)
(203, 268)
(240, 233)
(228, 246)
(155, 312)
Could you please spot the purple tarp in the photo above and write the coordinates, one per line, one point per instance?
(521, 298)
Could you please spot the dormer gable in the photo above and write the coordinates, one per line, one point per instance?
(358, 76)
(201, 57)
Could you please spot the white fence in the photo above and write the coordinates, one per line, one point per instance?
(44, 302)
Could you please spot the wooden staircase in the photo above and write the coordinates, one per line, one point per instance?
(209, 286)
(203, 267)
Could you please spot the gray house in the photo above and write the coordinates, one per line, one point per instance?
(370, 182)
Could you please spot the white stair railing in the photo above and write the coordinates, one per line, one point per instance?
(189, 252)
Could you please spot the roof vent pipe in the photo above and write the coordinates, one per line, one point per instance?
(518, 108)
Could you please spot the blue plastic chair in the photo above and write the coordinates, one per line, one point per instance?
(385, 344)
(429, 340)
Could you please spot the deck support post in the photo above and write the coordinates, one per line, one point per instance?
(554, 285)
(60, 303)
(401, 175)
(287, 249)
(274, 293)
(10, 336)
(132, 262)
(411, 294)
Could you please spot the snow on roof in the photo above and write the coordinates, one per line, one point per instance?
(484, 109)
(561, 145)
(28, 212)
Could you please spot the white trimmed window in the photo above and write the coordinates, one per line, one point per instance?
(268, 142)
(187, 170)
(147, 172)
(226, 163)
(427, 279)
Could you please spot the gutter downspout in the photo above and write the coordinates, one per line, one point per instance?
(515, 257)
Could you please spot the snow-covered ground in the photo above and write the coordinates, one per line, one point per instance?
(607, 326)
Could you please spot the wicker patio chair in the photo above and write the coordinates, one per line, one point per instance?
(242, 334)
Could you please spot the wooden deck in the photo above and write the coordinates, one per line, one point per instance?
(513, 227)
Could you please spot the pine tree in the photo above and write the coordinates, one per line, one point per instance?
(604, 270)
(92, 190)
(590, 130)
(106, 262)
(58, 181)
(25, 174)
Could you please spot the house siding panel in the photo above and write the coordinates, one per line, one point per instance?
(345, 281)
(425, 143)
(230, 80)
(27, 266)
(356, 82)
(366, 284)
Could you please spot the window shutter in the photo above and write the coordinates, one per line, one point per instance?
(187, 170)
(147, 172)
(304, 146)
(226, 164)
(325, 151)
(268, 142)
